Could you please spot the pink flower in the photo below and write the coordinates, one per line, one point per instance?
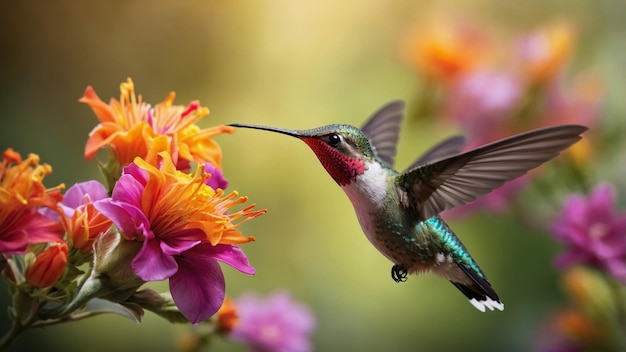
(185, 228)
(593, 232)
(275, 324)
(482, 103)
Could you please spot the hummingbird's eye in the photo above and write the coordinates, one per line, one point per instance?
(334, 139)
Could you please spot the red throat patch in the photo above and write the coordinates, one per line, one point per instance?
(342, 168)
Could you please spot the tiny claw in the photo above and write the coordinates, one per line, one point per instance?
(399, 273)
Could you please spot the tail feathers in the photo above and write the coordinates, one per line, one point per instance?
(479, 292)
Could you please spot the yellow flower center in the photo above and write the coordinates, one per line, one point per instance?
(21, 185)
(175, 201)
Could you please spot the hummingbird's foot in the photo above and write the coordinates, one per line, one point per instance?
(399, 273)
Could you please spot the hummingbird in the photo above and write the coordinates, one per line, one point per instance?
(399, 212)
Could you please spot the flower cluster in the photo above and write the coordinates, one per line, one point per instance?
(466, 82)
(493, 90)
(593, 232)
(131, 128)
(158, 219)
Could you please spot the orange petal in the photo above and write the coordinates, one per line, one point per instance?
(48, 266)
(101, 109)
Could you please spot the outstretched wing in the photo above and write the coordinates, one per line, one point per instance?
(446, 148)
(382, 130)
(447, 183)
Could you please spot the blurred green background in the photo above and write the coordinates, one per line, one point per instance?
(296, 65)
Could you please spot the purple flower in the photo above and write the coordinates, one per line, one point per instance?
(185, 229)
(82, 193)
(275, 324)
(593, 232)
(78, 195)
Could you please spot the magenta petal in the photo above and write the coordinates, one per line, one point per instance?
(136, 173)
(33, 227)
(75, 195)
(41, 229)
(617, 269)
(151, 264)
(197, 287)
(602, 198)
(128, 190)
(175, 246)
(217, 179)
(570, 257)
(80, 194)
(229, 254)
(128, 218)
(593, 231)
(14, 241)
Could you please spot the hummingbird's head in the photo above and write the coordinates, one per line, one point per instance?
(342, 149)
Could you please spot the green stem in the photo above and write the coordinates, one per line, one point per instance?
(618, 296)
(23, 313)
(91, 288)
(66, 319)
(16, 329)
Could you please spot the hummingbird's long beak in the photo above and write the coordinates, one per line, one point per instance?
(292, 133)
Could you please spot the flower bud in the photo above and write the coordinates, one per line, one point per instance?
(227, 317)
(48, 266)
(113, 255)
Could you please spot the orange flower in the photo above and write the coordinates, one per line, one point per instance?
(22, 194)
(48, 266)
(445, 51)
(129, 127)
(589, 290)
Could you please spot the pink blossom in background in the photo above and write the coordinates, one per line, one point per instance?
(273, 324)
(482, 102)
(593, 232)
